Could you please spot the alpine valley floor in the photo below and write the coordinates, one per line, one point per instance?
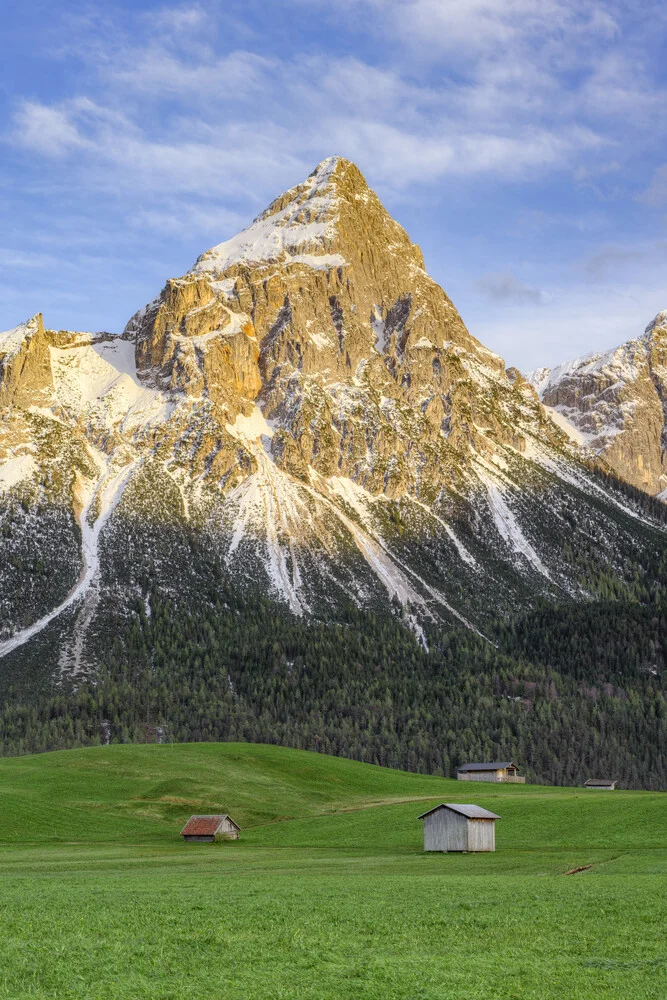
(328, 893)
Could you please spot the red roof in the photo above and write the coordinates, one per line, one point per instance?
(204, 826)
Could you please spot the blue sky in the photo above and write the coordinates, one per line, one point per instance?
(520, 142)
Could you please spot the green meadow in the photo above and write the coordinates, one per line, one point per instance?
(328, 893)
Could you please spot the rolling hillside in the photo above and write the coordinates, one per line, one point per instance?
(328, 894)
(137, 795)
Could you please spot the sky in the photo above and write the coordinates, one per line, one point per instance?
(521, 143)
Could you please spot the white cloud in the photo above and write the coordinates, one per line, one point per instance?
(597, 303)
(179, 19)
(173, 218)
(232, 125)
(470, 25)
(158, 72)
(29, 260)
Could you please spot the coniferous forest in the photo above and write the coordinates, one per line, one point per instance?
(568, 692)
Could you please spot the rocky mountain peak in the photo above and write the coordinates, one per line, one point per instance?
(613, 404)
(324, 222)
(319, 311)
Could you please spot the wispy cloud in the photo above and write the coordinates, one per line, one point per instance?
(506, 287)
(51, 131)
(172, 113)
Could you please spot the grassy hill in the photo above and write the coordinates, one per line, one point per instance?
(327, 894)
(126, 793)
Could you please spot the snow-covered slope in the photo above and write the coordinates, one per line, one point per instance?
(306, 409)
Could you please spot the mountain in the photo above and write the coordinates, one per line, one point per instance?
(304, 419)
(613, 404)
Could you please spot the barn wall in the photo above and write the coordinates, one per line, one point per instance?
(457, 831)
(435, 831)
(481, 835)
(445, 831)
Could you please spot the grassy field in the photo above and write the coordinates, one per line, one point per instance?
(328, 894)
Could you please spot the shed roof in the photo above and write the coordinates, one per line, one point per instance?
(600, 781)
(496, 765)
(205, 826)
(469, 811)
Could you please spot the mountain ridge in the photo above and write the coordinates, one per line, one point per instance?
(309, 401)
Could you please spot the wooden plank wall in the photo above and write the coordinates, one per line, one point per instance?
(445, 831)
(481, 835)
(480, 776)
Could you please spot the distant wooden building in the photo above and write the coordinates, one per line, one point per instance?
(210, 828)
(453, 827)
(602, 784)
(503, 770)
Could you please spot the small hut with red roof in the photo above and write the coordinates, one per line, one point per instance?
(209, 828)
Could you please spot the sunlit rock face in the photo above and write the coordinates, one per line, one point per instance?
(321, 312)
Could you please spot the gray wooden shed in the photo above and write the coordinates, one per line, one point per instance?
(454, 827)
(602, 784)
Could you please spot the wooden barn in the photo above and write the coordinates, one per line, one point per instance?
(450, 827)
(209, 828)
(601, 784)
(503, 770)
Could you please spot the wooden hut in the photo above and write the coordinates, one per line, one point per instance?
(602, 784)
(450, 827)
(499, 770)
(209, 828)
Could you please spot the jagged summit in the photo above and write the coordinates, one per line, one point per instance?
(300, 224)
(321, 281)
(318, 224)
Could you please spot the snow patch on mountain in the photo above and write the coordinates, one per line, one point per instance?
(622, 364)
(269, 507)
(319, 262)
(458, 545)
(99, 382)
(509, 529)
(378, 326)
(102, 499)
(250, 428)
(560, 419)
(14, 470)
(301, 232)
